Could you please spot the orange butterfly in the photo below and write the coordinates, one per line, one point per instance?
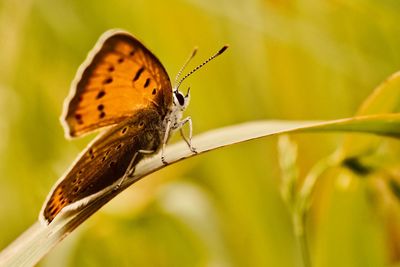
(123, 85)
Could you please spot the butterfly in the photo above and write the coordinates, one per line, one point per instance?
(124, 88)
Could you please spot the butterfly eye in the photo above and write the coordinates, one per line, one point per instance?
(180, 97)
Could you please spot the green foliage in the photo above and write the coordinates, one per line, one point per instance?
(308, 60)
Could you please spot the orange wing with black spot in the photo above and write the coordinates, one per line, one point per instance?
(105, 161)
(119, 78)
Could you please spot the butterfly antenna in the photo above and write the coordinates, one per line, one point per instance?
(184, 65)
(201, 65)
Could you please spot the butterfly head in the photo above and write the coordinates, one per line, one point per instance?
(181, 101)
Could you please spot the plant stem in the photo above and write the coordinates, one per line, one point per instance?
(305, 252)
(303, 202)
(301, 237)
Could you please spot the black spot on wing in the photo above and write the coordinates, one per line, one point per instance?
(146, 84)
(138, 73)
(100, 94)
(108, 80)
(78, 118)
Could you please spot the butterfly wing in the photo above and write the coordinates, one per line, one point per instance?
(104, 162)
(119, 77)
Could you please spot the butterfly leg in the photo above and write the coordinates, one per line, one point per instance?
(188, 141)
(130, 170)
(166, 135)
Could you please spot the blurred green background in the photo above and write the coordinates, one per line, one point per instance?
(307, 59)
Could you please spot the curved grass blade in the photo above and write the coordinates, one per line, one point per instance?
(38, 240)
